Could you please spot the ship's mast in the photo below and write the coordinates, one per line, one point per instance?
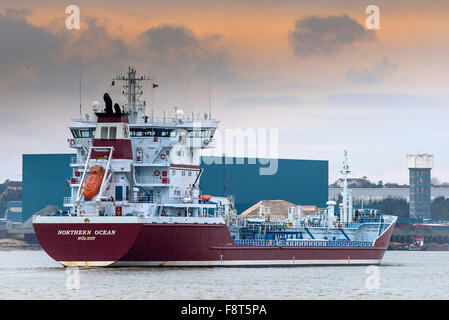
(347, 196)
(132, 90)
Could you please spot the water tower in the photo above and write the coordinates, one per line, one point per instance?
(419, 166)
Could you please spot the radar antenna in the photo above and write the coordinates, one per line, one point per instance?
(132, 90)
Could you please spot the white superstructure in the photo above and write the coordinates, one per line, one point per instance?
(162, 176)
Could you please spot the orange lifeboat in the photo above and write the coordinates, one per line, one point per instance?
(205, 197)
(94, 181)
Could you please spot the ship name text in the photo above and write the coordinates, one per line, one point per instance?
(86, 232)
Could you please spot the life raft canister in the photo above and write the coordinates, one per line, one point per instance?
(93, 184)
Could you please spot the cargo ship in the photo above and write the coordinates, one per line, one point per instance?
(136, 201)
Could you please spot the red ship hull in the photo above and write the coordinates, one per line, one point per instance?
(157, 244)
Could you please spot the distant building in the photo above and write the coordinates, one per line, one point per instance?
(13, 184)
(420, 167)
(362, 182)
(378, 194)
(13, 212)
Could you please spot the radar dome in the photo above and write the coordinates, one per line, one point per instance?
(96, 106)
(179, 114)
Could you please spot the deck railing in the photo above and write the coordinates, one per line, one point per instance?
(303, 243)
(281, 223)
(68, 201)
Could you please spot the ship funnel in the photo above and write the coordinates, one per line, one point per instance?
(117, 109)
(108, 102)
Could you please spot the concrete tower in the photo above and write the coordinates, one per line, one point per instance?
(419, 166)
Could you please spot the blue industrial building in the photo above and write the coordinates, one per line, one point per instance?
(44, 178)
(303, 182)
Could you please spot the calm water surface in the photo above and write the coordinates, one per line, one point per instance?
(403, 275)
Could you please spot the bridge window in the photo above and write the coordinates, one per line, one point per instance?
(141, 132)
(104, 132)
(149, 133)
(83, 133)
(200, 133)
(137, 133)
(76, 133)
(113, 133)
(165, 133)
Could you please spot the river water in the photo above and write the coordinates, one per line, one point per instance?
(402, 275)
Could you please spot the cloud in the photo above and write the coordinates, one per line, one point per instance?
(19, 14)
(265, 101)
(316, 35)
(376, 74)
(43, 64)
(23, 44)
(178, 50)
(387, 101)
(172, 41)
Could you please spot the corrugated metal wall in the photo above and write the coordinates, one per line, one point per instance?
(303, 182)
(44, 181)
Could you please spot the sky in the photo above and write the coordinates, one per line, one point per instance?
(310, 70)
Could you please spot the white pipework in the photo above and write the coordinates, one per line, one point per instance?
(330, 212)
(293, 216)
(349, 217)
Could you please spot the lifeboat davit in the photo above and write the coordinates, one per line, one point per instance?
(205, 197)
(93, 184)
